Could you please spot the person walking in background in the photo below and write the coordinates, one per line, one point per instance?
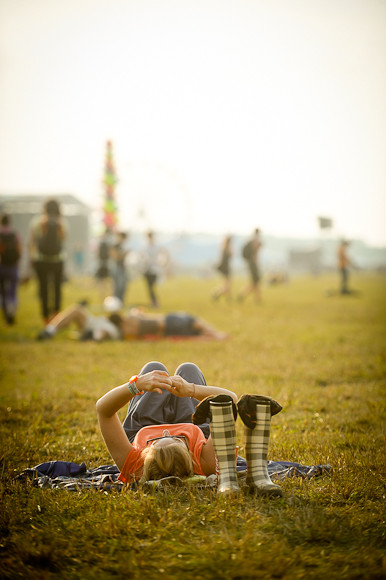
(250, 253)
(48, 233)
(119, 252)
(154, 260)
(344, 263)
(224, 268)
(10, 253)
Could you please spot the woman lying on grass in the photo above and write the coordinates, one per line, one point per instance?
(159, 439)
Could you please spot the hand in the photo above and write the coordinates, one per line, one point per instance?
(180, 387)
(154, 381)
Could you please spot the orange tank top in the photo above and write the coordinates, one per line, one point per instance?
(133, 467)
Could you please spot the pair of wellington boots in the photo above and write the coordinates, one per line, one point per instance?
(255, 412)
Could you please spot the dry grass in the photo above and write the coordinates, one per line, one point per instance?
(322, 358)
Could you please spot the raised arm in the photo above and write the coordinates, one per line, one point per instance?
(107, 410)
(182, 388)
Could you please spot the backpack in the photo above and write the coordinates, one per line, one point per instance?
(247, 251)
(50, 242)
(9, 249)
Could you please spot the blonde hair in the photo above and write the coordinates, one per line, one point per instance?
(162, 461)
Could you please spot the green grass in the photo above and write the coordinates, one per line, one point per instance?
(322, 358)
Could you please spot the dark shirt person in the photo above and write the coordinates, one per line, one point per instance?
(10, 253)
(48, 232)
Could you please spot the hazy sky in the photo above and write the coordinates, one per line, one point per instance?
(224, 115)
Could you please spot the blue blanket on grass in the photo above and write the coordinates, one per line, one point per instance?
(73, 477)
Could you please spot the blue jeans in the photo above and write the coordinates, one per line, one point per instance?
(120, 278)
(8, 290)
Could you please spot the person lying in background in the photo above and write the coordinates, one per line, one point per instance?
(137, 324)
(89, 326)
(177, 426)
(133, 325)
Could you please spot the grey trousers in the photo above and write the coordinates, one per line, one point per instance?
(156, 409)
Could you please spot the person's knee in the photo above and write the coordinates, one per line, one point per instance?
(153, 366)
(191, 373)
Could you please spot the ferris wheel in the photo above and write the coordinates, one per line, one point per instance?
(153, 196)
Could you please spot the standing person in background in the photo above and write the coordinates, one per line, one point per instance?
(344, 263)
(103, 271)
(225, 270)
(10, 253)
(250, 253)
(155, 259)
(119, 252)
(46, 248)
(78, 258)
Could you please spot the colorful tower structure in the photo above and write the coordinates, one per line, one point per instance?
(110, 209)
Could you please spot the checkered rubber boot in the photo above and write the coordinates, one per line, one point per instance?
(222, 429)
(256, 448)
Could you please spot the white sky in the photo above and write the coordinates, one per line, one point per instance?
(224, 115)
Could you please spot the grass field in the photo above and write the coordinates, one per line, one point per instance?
(322, 358)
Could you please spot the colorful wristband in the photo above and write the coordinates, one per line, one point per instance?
(131, 385)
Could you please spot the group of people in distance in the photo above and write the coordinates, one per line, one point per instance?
(46, 256)
(113, 251)
(46, 250)
(250, 253)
